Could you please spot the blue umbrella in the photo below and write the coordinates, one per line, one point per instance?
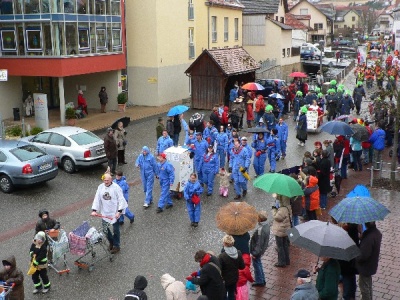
(276, 95)
(177, 110)
(358, 210)
(359, 191)
(337, 128)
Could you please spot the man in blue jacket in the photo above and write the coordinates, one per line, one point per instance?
(148, 169)
(283, 132)
(164, 142)
(377, 139)
(239, 162)
(167, 177)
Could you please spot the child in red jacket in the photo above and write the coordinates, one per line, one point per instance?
(225, 117)
(242, 286)
(250, 114)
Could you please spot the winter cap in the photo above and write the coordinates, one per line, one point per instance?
(302, 273)
(261, 120)
(163, 155)
(40, 236)
(244, 138)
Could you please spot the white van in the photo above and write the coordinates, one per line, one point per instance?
(309, 46)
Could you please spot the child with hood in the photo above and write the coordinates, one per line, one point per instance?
(38, 253)
(45, 222)
(10, 274)
(224, 177)
(121, 181)
(242, 286)
(250, 113)
(311, 197)
(138, 292)
(174, 289)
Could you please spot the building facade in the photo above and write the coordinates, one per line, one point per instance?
(58, 47)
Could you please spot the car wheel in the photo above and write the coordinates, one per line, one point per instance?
(68, 165)
(6, 185)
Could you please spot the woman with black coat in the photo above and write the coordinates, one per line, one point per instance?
(324, 179)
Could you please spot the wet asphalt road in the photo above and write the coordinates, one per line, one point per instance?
(153, 245)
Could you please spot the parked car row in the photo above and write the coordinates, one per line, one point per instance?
(35, 159)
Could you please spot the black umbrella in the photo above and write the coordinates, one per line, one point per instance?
(360, 132)
(125, 121)
(258, 130)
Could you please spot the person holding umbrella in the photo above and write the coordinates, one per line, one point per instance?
(328, 278)
(192, 193)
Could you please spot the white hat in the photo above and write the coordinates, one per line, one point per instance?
(261, 120)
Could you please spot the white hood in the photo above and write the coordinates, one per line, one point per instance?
(166, 280)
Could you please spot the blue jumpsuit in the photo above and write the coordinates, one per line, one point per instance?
(281, 107)
(283, 132)
(222, 147)
(167, 177)
(200, 148)
(210, 134)
(164, 143)
(194, 211)
(239, 158)
(125, 190)
(209, 167)
(148, 169)
(269, 120)
(259, 161)
(274, 149)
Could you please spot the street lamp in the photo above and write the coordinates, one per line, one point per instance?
(321, 47)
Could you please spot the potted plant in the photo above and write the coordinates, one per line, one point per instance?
(122, 99)
(70, 115)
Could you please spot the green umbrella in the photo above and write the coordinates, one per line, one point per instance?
(280, 184)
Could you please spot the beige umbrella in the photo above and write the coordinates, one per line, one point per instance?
(237, 218)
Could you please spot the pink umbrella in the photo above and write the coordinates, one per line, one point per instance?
(298, 74)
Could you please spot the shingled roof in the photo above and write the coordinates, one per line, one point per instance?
(229, 3)
(281, 25)
(292, 21)
(252, 7)
(231, 61)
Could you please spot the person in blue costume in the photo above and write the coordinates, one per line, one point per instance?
(283, 132)
(200, 148)
(239, 162)
(191, 192)
(147, 164)
(260, 154)
(120, 179)
(274, 149)
(164, 142)
(210, 133)
(209, 167)
(167, 176)
(269, 117)
(222, 146)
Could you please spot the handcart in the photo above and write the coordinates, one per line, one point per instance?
(5, 290)
(58, 249)
(85, 240)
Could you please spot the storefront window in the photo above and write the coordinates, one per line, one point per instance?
(100, 7)
(33, 39)
(115, 7)
(8, 42)
(69, 6)
(32, 7)
(6, 7)
(71, 39)
(82, 6)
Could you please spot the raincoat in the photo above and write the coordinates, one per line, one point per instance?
(274, 151)
(378, 139)
(200, 148)
(283, 132)
(174, 290)
(209, 167)
(210, 134)
(260, 156)
(194, 211)
(148, 169)
(167, 177)
(311, 194)
(125, 191)
(269, 120)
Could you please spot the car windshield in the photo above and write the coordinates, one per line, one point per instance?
(85, 138)
(27, 152)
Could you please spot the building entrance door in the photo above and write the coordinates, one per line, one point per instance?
(45, 85)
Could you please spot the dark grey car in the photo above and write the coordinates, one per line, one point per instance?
(24, 164)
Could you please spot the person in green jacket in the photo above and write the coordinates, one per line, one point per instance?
(328, 279)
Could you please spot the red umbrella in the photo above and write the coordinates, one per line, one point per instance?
(252, 86)
(298, 74)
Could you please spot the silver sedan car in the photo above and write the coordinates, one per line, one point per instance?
(24, 164)
(74, 147)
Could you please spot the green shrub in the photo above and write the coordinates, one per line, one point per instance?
(36, 130)
(70, 113)
(122, 98)
(14, 131)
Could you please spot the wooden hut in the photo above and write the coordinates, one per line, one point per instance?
(214, 73)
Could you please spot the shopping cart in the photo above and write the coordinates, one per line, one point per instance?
(85, 240)
(5, 290)
(58, 249)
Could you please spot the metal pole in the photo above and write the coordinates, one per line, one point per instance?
(371, 183)
(380, 169)
(320, 62)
